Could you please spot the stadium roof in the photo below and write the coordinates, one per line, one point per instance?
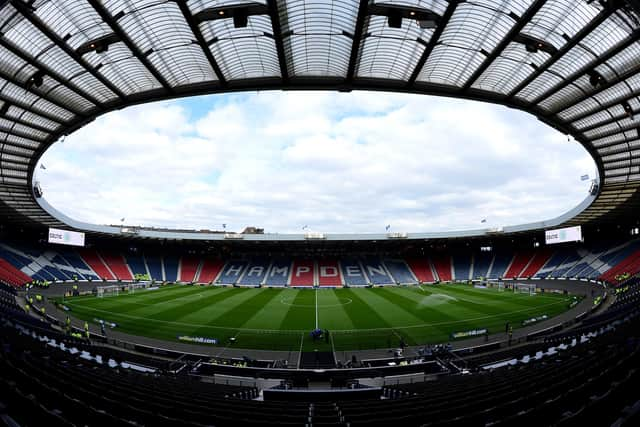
(571, 63)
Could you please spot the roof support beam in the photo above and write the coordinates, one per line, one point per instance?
(49, 72)
(274, 15)
(433, 41)
(27, 12)
(111, 22)
(40, 94)
(515, 30)
(610, 83)
(357, 39)
(29, 108)
(577, 38)
(195, 29)
(603, 123)
(582, 71)
(19, 134)
(604, 106)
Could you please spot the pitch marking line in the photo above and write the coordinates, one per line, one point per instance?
(291, 331)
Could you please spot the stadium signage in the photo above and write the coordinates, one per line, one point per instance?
(472, 333)
(65, 237)
(562, 235)
(197, 340)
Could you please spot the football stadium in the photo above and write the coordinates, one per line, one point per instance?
(142, 325)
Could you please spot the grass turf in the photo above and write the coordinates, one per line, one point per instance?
(281, 318)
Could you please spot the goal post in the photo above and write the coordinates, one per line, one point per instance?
(524, 288)
(107, 291)
(133, 287)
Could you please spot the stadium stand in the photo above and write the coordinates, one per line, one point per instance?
(171, 268)
(210, 270)
(353, 273)
(279, 273)
(93, 260)
(520, 261)
(117, 265)
(481, 263)
(329, 273)
(376, 272)
(136, 264)
(11, 275)
(232, 271)
(154, 264)
(189, 267)
(303, 273)
(400, 271)
(539, 259)
(421, 268)
(461, 267)
(255, 272)
(501, 262)
(442, 265)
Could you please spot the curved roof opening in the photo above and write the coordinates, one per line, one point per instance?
(318, 161)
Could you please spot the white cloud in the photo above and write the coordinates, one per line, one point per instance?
(337, 162)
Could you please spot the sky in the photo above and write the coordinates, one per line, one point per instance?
(319, 161)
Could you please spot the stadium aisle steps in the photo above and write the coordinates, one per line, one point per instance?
(211, 268)
(421, 269)
(93, 260)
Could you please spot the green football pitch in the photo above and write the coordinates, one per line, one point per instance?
(282, 318)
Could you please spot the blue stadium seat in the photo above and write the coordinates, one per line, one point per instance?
(232, 272)
(155, 267)
(376, 272)
(461, 267)
(255, 272)
(400, 271)
(279, 273)
(136, 263)
(171, 268)
(481, 263)
(500, 264)
(352, 273)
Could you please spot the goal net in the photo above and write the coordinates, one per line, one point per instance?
(107, 291)
(133, 287)
(524, 288)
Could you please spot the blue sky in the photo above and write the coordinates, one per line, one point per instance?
(333, 161)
